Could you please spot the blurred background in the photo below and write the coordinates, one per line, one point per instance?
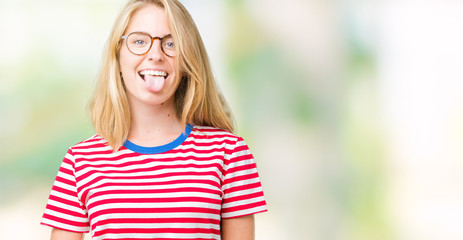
(353, 108)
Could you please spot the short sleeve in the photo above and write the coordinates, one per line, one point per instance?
(64, 210)
(241, 185)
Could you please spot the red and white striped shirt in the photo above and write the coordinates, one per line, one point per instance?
(177, 191)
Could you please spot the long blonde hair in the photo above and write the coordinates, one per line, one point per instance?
(197, 99)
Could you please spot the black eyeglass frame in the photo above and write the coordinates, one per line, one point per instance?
(151, 45)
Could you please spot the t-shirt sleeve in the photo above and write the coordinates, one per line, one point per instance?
(241, 185)
(64, 210)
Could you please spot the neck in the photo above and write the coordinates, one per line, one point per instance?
(153, 125)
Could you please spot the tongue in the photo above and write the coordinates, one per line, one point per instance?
(154, 83)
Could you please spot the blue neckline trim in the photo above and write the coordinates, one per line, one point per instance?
(160, 149)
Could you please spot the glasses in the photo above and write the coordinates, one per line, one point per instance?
(139, 43)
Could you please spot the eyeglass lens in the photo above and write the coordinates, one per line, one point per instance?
(140, 43)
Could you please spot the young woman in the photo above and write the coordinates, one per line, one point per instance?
(164, 163)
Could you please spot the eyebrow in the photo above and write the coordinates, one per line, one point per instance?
(149, 34)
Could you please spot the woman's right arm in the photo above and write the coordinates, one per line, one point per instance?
(58, 234)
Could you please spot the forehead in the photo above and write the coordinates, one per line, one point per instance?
(151, 19)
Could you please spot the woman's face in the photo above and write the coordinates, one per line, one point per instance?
(149, 78)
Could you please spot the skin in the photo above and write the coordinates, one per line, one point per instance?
(154, 121)
(240, 228)
(58, 234)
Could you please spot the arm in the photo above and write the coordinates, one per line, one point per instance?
(240, 228)
(58, 234)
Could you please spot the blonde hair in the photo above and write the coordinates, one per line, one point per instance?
(197, 99)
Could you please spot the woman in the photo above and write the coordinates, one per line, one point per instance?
(164, 163)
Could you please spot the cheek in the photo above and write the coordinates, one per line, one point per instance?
(127, 64)
(123, 60)
(173, 67)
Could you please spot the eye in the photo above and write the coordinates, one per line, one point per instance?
(169, 44)
(139, 42)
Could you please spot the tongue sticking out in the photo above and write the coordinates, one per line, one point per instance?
(154, 83)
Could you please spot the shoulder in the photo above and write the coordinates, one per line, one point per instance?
(214, 133)
(216, 136)
(92, 143)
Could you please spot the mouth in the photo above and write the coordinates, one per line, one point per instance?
(154, 73)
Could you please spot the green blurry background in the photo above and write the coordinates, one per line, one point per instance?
(353, 109)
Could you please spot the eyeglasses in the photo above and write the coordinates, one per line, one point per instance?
(139, 43)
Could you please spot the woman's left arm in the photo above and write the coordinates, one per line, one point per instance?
(240, 228)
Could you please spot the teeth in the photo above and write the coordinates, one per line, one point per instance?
(153, 73)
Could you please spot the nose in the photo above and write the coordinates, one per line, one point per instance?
(155, 53)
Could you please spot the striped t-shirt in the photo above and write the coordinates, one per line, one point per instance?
(180, 190)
